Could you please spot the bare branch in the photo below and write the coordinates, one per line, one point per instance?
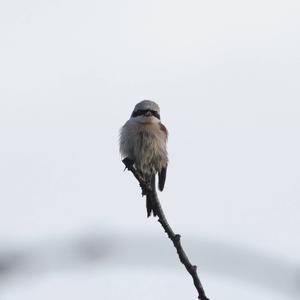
(175, 238)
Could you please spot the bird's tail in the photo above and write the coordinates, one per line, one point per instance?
(149, 200)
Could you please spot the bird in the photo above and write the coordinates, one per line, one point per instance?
(143, 143)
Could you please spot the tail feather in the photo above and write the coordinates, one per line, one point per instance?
(149, 201)
(162, 178)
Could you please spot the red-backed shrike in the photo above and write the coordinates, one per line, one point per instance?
(143, 141)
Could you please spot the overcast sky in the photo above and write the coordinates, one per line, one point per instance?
(226, 75)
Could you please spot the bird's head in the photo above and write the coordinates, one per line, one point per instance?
(146, 111)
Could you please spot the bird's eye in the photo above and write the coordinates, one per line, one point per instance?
(137, 113)
(155, 114)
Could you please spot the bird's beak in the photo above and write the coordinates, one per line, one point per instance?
(148, 114)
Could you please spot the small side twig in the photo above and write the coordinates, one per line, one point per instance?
(175, 238)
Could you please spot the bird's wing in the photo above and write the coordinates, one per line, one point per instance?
(164, 130)
(162, 178)
(163, 173)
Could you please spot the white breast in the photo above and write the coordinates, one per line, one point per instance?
(145, 144)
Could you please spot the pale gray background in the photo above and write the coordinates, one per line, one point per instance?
(226, 75)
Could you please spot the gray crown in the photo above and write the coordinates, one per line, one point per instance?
(147, 104)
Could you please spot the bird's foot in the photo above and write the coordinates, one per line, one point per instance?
(128, 163)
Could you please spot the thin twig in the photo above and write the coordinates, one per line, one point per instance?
(175, 238)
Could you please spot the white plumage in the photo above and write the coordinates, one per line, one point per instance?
(145, 144)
